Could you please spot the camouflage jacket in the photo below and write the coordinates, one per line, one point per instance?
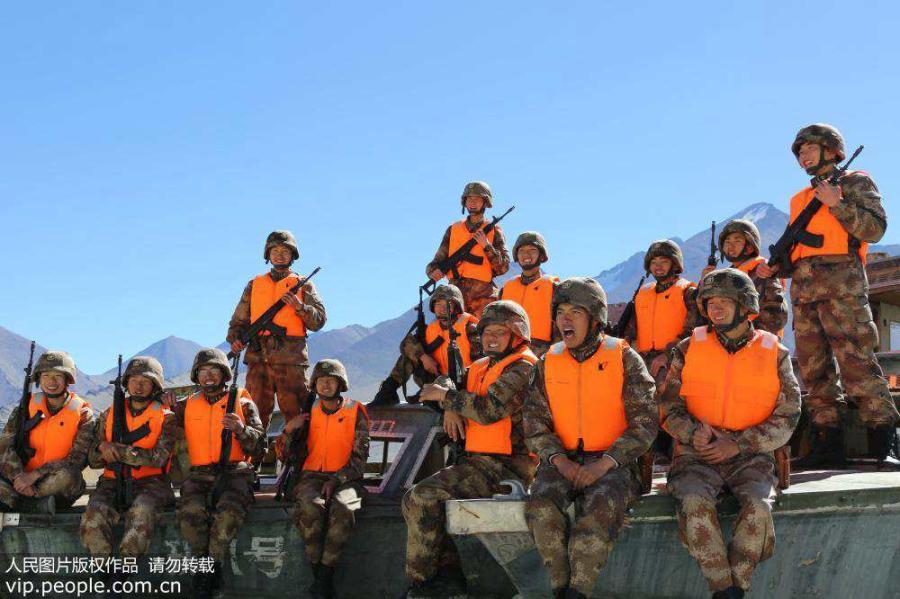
(248, 439)
(641, 414)
(773, 304)
(765, 437)
(861, 213)
(359, 455)
(412, 348)
(287, 350)
(10, 464)
(505, 398)
(691, 320)
(157, 457)
(496, 254)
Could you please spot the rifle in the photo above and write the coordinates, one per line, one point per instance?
(227, 435)
(24, 424)
(712, 260)
(456, 373)
(463, 254)
(121, 435)
(264, 322)
(289, 470)
(796, 233)
(628, 313)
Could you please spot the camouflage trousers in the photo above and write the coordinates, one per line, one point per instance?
(66, 484)
(574, 553)
(476, 294)
(150, 496)
(696, 485)
(841, 329)
(428, 547)
(286, 381)
(405, 368)
(325, 528)
(210, 532)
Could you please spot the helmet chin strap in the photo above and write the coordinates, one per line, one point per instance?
(55, 395)
(736, 320)
(213, 390)
(822, 162)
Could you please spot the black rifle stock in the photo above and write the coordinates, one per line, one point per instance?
(796, 233)
(24, 424)
(628, 313)
(227, 436)
(712, 260)
(292, 453)
(455, 372)
(119, 432)
(264, 322)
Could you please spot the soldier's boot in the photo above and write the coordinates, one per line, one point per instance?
(573, 594)
(215, 580)
(451, 581)
(729, 593)
(827, 449)
(201, 586)
(880, 441)
(323, 583)
(560, 593)
(387, 394)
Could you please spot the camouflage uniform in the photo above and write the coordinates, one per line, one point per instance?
(277, 367)
(574, 554)
(61, 479)
(150, 495)
(477, 294)
(428, 547)
(537, 346)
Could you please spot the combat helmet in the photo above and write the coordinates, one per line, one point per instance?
(744, 227)
(281, 238)
(731, 283)
(147, 366)
(478, 188)
(55, 361)
(507, 313)
(531, 238)
(215, 357)
(823, 134)
(668, 249)
(333, 368)
(583, 292)
(448, 293)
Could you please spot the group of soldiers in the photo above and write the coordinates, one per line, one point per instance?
(548, 397)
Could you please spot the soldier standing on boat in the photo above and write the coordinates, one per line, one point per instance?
(533, 290)
(739, 243)
(474, 276)
(146, 458)
(728, 364)
(587, 456)
(426, 359)
(62, 432)
(276, 364)
(330, 447)
(829, 293)
(487, 416)
(214, 500)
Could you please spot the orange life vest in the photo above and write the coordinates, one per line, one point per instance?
(731, 391)
(491, 438)
(264, 292)
(660, 316)
(331, 436)
(203, 428)
(836, 238)
(437, 337)
(536, 299)
(154, 415)
(53, 437)
(748, 267)
(586, 398)
(477, 267)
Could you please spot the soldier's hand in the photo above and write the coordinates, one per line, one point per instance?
(293, 301)
(435, 274)
(480, 238)
(829, 194)
(429, 364)
(591, 473)
(720, 450)
(168, 399)
(454, 425)
(657, 364)
(566, 467)
(109, 451)
(296, 422)
(432, 392)
(702, 436)
(328, 489)
(233, 423)
(236, 345)
(23, 483)
(765, 271)
(706, 270)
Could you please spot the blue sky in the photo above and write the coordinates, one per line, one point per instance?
(146, 149)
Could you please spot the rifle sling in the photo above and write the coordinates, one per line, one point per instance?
(432, 347)
(32, 422)
(136, 435)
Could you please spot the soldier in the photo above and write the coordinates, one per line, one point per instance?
(739, 243)
(211, 511)
(426, 361)
(832, 317)
(587, 455)
(488, 259)
(664, 311)
(488, 415)
(154, 429)
(276, 364)
(730, 401)
(533, 290)
(334, 448)
(64, 427)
